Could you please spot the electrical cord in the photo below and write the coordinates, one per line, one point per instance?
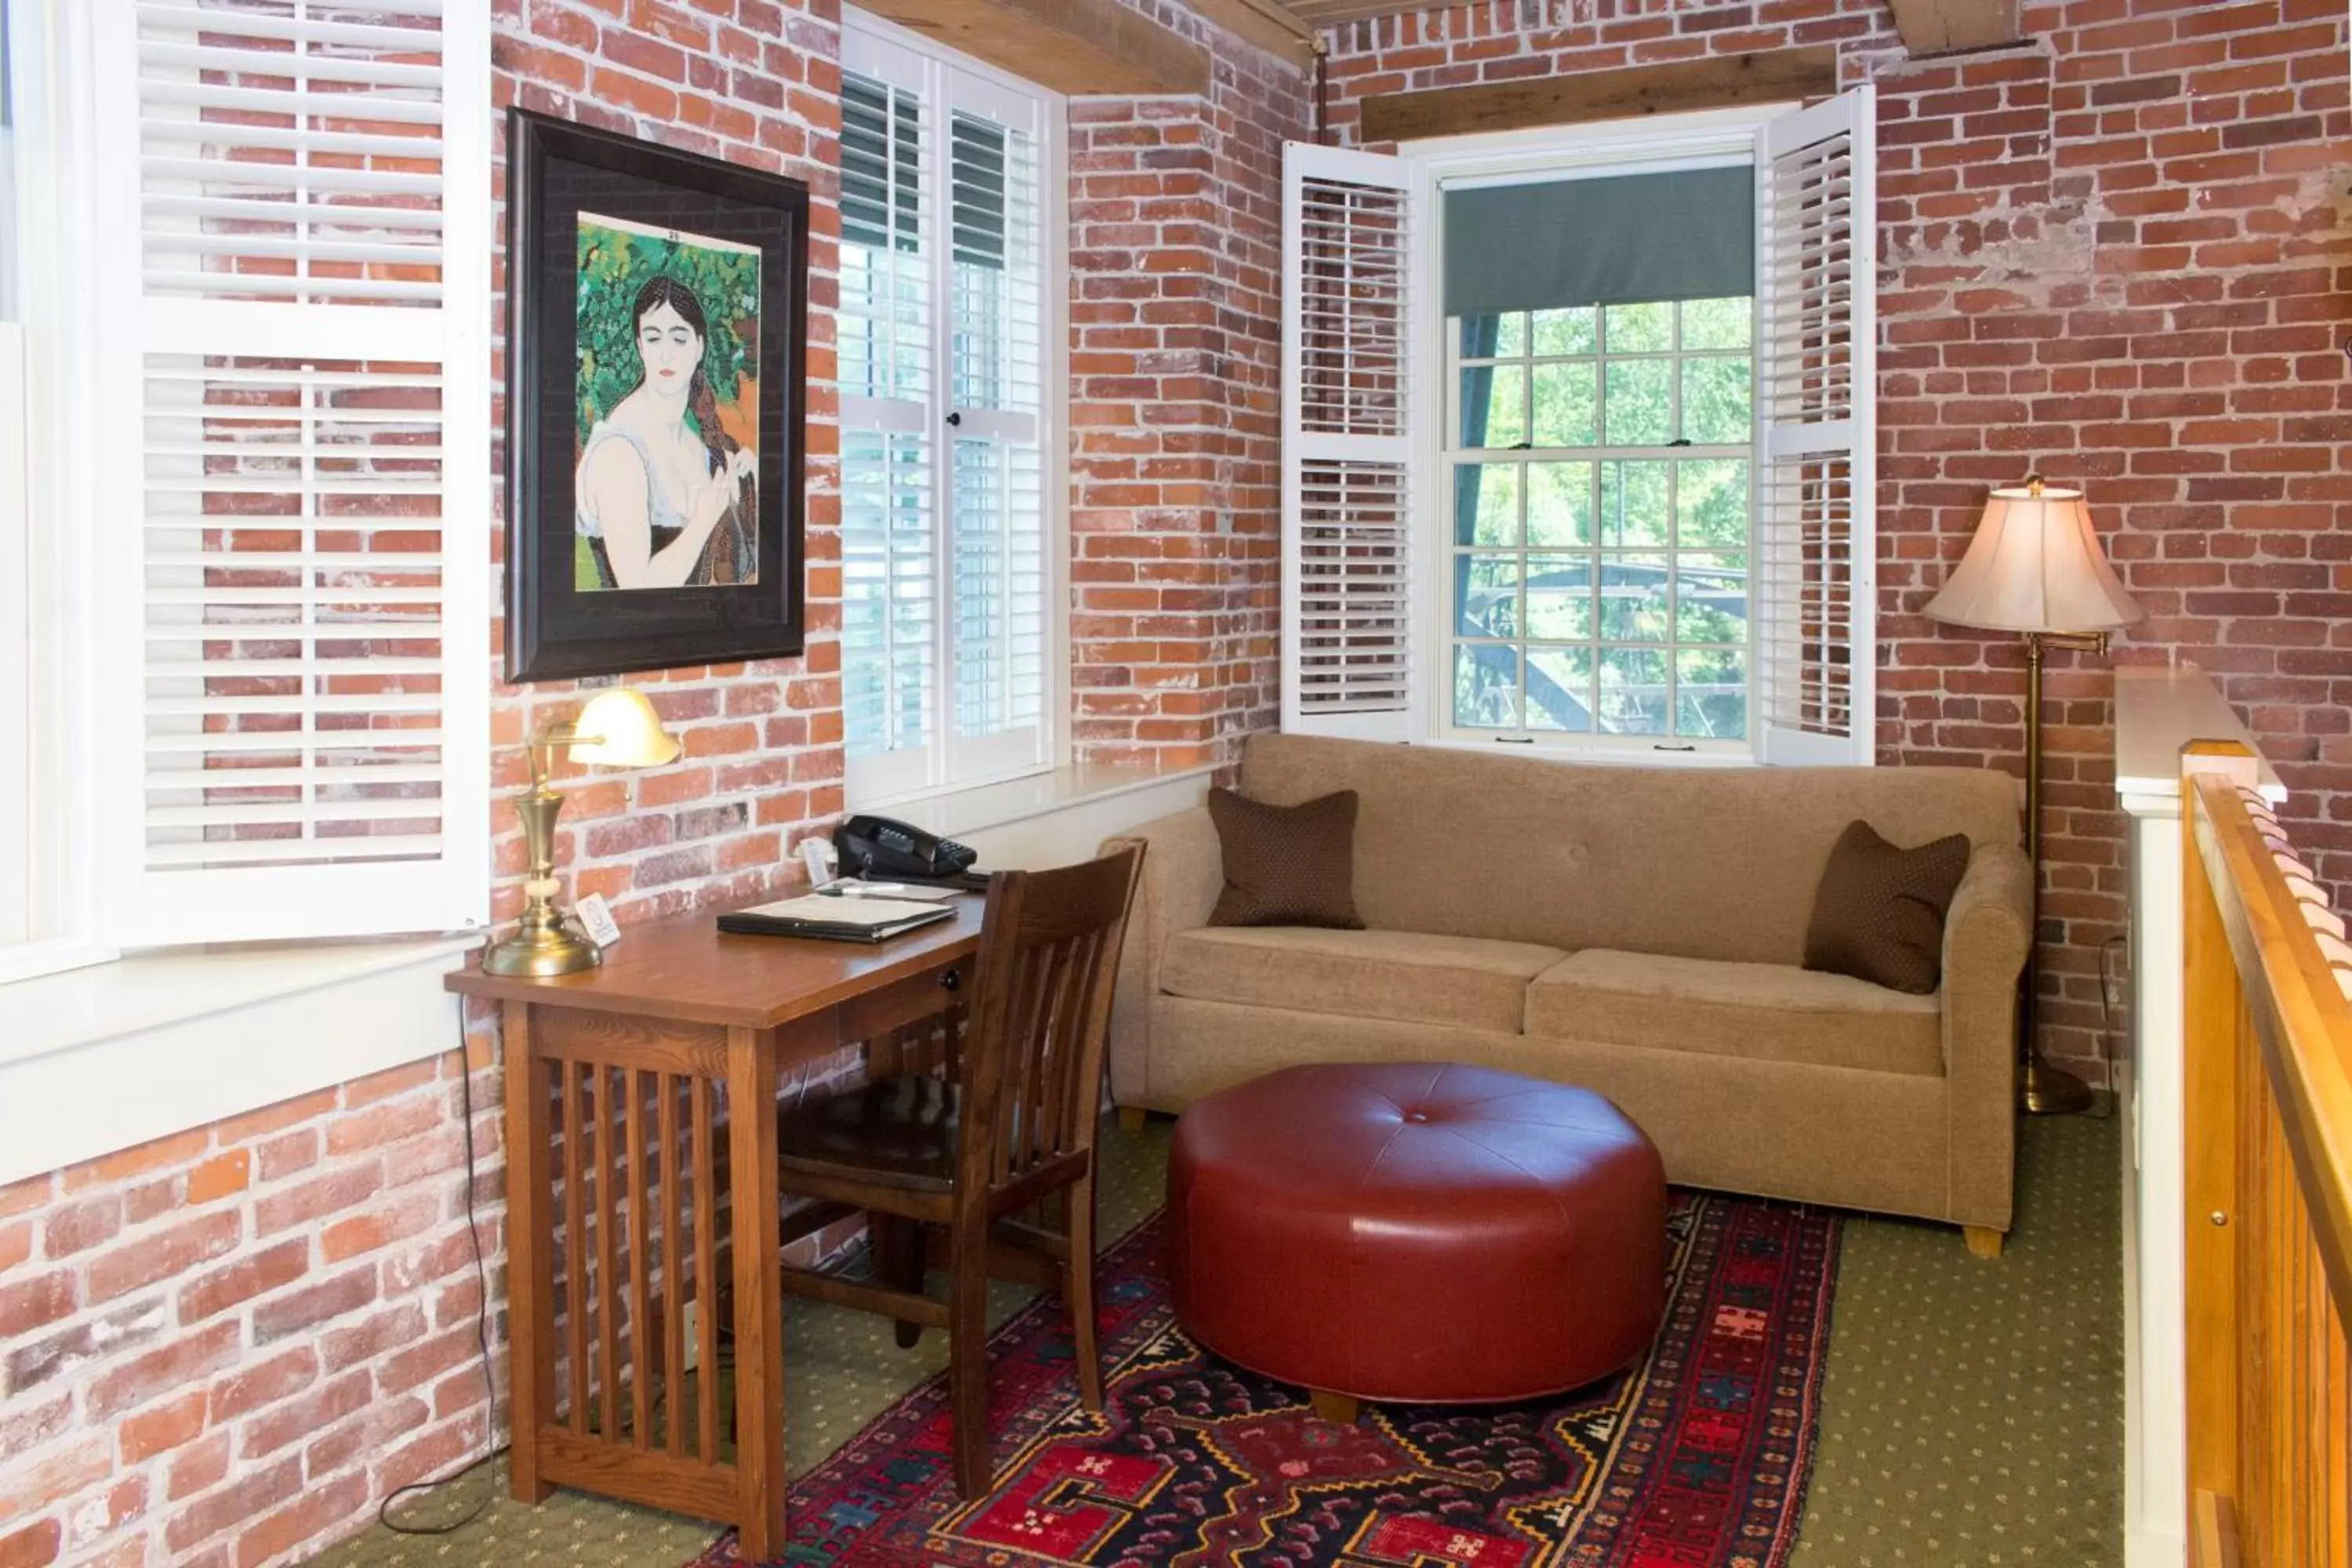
(481, 1337)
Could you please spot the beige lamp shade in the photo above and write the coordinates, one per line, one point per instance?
(2034, 566)
(619, 729)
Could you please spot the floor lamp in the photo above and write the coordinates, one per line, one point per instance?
(2034, 567)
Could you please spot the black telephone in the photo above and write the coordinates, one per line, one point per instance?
(882, 851)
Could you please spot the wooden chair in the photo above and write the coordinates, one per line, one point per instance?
(1010, 1121)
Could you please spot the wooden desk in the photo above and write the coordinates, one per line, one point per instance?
(640, 1103)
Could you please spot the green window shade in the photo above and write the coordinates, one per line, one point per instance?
(1689, 234)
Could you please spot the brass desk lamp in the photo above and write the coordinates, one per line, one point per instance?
(617, 728)
(2034, 567)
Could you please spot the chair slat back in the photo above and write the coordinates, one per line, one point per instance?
(1032, 1062)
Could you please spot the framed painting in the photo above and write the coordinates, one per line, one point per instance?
(656, 319)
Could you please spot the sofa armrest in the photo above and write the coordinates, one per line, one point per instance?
(1183, 872)
(1987, 934)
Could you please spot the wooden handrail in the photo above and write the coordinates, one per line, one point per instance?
(2268, 1069)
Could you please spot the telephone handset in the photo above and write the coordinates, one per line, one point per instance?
(878, 848)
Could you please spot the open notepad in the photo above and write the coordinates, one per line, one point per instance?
(833, 918)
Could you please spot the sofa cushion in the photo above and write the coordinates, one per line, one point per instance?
(1402, 975)
(1878, 914)
(1286, 864)
(1774, 1011)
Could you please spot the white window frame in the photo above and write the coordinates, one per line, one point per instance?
(82, 618)
(1711, 140)
(880, 49)
(47, 686)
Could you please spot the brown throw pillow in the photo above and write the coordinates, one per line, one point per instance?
(1286, 864)
(1878, 914)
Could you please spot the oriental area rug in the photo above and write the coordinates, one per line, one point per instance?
(1696, 1458)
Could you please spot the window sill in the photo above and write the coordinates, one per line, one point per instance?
(976, 808)
(1600, 756)
(155, 990)
(113, 1056)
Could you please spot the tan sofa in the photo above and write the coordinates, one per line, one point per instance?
(1636, 931)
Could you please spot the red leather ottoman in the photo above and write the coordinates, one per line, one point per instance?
(1416, 1233)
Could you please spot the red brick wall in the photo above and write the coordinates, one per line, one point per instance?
(229, 1346)
(1175, 440)
(230, 1342)
(2117, 253)
(756, 82)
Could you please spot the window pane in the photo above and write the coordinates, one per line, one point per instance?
(998, 329)
(1717, 323)
(1560, 504)
(1633, 503)
(1560, 597)
(882, 322)
(1715, 401)
(1711, 504)
(1632, 691)
(1559, 689)
(1633, 598)
(1485, 687)
(1487, 503)
(1494, 405)
(886, 592)
(1570, 331)
(1487, 596)
(1639, 329)
(1711, 598)
(1711, 694)
(1493, 337)
(1640, 410)
(1564, 411)
(1000, 587)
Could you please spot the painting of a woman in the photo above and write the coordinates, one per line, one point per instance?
(665, 495)
(658, 388)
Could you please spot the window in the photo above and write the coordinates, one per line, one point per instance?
(1636, 515)
(255, 498)
(951, 375)
(1599, 543)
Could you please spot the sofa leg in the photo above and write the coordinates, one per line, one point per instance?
(1983, 1240)
(1330, 1406)
(1131, 1118)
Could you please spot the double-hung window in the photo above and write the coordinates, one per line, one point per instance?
(245, 507)
(1578, 439)
(951, 379)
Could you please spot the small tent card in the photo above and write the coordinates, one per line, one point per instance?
(596, 919)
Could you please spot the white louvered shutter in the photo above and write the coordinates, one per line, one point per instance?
(1348, 438)
(1816, 432)
(297, 466)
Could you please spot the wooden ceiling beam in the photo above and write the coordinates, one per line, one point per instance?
(1069, 46)
(1720, 82)
(1935, 27)
(1271, 26)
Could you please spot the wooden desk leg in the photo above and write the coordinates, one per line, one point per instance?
(530, 1261)
(758, 1292)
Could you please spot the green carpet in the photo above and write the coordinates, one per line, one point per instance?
(1972, 1415)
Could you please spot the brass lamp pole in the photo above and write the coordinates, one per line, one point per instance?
(2034, 567)
(617, 728)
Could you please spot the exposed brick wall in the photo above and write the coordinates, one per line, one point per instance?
(756, 82)
(227, 1343)
(227, 1347)
(2117, 253)
(1176, 377)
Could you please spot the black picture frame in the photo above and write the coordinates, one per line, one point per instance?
(555, 628)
